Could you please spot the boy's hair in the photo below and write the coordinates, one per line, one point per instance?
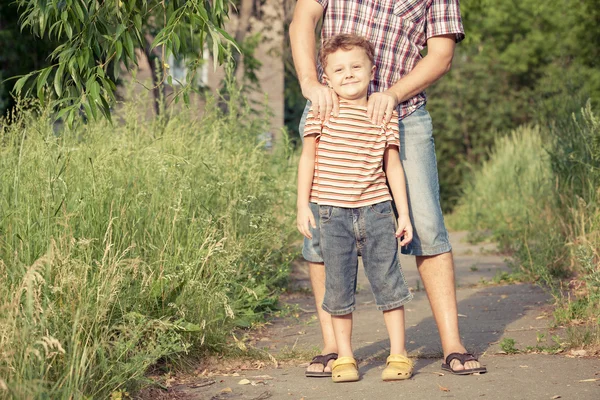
(345, 42)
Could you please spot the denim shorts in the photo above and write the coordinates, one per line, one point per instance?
(417, 153)
(369, 232)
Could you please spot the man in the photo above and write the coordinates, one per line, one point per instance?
(399, 30)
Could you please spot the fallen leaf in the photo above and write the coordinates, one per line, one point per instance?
(556, 397)
(524, 366)
(263, 377)
(244, 382)
(541, 317)
(226, 390)
(202, 384)
(443, 389)
(462, 315)
(579, 353)
(590, 380)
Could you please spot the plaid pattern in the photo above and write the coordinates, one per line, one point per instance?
(398, 29)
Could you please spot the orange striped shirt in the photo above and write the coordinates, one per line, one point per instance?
(349, 158)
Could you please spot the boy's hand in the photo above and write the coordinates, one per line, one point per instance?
(304, 220)
(405, 230)
(324, 100)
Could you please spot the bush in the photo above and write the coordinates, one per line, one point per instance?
(123, 245)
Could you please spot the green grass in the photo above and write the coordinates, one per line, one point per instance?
(538, 197)
(122, 246)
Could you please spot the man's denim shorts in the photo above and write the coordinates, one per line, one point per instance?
(369, 232)
(417, 153)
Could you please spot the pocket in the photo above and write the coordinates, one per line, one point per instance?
(410, 10)
(384, 208)
(325, 213)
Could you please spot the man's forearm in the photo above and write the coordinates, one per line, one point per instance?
(302, 40)
(432, 67)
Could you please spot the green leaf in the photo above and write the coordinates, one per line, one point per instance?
(41, 81)
(58, 80)
(20, 83)
(119, 49)
(129, 45)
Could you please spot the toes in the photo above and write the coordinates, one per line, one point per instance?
(329, 366)
(472, 365)
(456, 365)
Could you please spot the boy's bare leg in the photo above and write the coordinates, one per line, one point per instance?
(437, 273)
(394, 322)
(317, 281)
(342, 326)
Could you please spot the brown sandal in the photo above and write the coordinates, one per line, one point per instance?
(324, 360)
(463, 358)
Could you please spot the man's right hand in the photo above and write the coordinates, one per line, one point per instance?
(324, 100)
(305, 220)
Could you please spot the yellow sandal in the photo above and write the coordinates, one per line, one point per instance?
(397, 367)
(344, 369)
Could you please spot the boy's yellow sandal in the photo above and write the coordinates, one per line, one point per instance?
(397, 368)
(344, 369)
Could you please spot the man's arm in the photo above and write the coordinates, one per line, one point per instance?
(302, 39)
(437, 62)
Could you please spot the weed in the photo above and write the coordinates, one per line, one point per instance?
(508, 346)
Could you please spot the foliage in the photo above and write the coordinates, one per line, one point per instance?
(20, 51)
(538, 196)
(97, 37)
(124, 245)
(520, 61)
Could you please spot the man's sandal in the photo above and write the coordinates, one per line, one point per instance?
(344, 369)
(324, 360)
(463, 358)
(397, 368)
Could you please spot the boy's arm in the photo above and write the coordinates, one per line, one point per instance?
(302, 40)
(395, 177)
(306, 170)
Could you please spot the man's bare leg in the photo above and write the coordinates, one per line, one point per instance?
(437, 273)
(317, 281)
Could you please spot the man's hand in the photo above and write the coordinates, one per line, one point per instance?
(380, 107)
(305, 220)
(324, 100)
(405, 230)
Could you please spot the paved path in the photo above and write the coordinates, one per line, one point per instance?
(488, 314)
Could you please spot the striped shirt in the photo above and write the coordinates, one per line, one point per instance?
(349, 158)
(398, 29)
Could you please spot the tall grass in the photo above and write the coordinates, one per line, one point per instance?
(539, 197)
(124, 245)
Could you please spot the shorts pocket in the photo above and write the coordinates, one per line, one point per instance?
(410, 10)
(325, 213)
(383, 208)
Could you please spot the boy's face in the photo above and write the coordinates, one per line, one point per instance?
(349, 73)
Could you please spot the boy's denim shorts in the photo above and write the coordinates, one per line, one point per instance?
(369, 231)
(417, 153)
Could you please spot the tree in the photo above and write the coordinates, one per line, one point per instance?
(97, 37)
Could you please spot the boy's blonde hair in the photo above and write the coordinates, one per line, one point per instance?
(345, 42)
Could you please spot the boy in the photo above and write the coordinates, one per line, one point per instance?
(342, 175)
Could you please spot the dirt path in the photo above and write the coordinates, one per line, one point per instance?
(491, 318)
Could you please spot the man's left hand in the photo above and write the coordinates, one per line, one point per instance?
(380, 107)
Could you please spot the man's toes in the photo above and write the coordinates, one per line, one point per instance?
(456, 365)
(315, 368)
(329, 366)
(472, 365)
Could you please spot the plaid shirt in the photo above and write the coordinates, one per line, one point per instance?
(398, 29)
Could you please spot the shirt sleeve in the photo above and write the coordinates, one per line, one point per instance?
(312, 125)
(443, 18)
(323, 3)
(392, 132)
